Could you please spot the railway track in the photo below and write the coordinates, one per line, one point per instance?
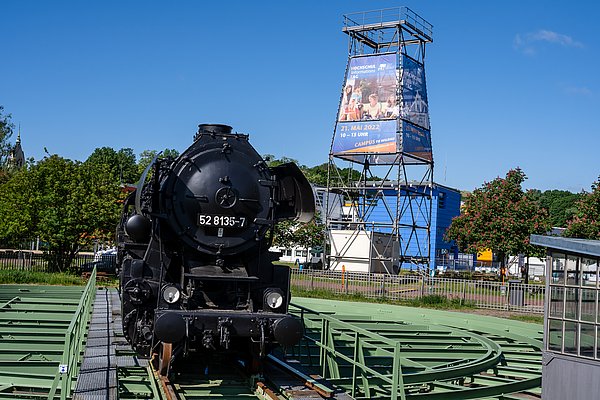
(224, 378)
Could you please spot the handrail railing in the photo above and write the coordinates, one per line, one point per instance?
(510, 296)
(69, 366)
(328, 352)
(367, 356)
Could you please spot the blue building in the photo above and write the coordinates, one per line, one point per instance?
(415, 205)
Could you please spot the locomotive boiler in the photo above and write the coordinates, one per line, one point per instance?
(196, 274)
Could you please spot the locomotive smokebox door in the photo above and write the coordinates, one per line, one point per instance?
(295, 196)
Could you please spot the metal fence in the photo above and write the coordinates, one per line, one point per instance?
(74, 343)
(510, 296)
(466, 264)
(23, 260)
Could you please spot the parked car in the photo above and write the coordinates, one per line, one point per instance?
(106, 263)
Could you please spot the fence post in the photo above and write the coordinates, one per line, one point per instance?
(312, 282)
(346, 285)
(464, 292)
(422, 286)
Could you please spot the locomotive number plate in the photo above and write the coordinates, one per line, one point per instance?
(225, 221)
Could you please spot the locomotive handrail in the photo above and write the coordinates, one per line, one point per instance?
(74, 337)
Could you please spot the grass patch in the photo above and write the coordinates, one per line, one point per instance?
(287, 264)
(532, 319)
(329, 295)
(39, 278)
(438, 302)
(429, 301)
(107, 281)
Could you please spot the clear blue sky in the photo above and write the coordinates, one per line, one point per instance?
(512, 83)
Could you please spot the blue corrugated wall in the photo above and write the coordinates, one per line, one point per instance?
(445, 206)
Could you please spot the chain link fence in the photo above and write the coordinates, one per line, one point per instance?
(509, 296)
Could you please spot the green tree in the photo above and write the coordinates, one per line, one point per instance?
(65, 204)
(295, 234)
(310, 234)
(147, 156)
(283, 234)
(121, 164)
(316, 175)
(274, 162)
(586, 222)
(499, 216)
(18, 216)
(560, 204)
(6, 130)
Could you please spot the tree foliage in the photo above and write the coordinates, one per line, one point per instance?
(147, 156)
(6, 130)
(65, 204)
(121, 164)
(295, 234)
(272, 161)
(499, 216)
(316, 175)
(586, 222)
(560, 204)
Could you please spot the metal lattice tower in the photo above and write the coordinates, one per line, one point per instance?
(380, 175)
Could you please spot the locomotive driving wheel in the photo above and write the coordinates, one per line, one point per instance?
(164, 363)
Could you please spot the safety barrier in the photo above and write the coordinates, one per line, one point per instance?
(330, 357)
(386, 352)
(74, 338)
(24, 260)
(509, 296)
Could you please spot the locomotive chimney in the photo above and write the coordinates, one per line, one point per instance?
(212, 129)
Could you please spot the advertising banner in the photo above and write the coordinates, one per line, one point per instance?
(414, 93)
(368, 109)
(365, 137)
(373, 125)
(416, 141)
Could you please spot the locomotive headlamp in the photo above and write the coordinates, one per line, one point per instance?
(273, 298)
(171, 294)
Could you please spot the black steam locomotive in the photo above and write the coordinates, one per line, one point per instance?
(196, 274)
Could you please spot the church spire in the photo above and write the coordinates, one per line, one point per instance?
(16, 158)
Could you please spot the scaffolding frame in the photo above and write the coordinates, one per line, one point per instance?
(362, 184)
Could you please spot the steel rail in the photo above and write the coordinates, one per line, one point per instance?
(308, 381)
(229, 380)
